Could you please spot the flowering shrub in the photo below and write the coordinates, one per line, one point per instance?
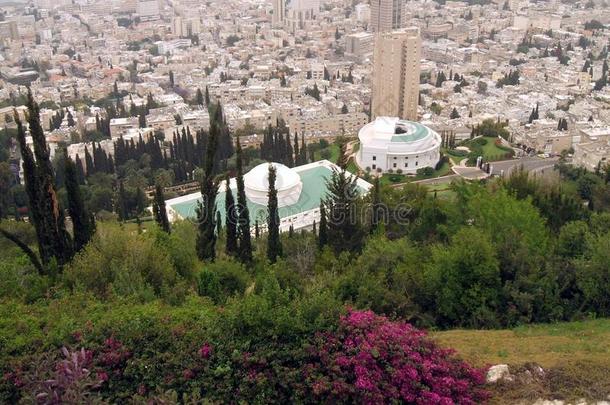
(370, 359)
(71, 381)
(362, 358)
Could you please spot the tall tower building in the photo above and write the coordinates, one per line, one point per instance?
(279, 13)
(396, 71)
(387, 15)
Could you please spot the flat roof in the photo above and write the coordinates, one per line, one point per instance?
(313, 176)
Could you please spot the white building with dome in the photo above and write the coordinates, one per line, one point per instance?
(390, 144)
(287, 183)
(299, 190)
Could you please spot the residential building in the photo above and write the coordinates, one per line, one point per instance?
(396, 74)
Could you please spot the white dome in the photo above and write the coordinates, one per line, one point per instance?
(287, 183)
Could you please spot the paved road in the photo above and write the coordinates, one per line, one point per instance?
(530, 164)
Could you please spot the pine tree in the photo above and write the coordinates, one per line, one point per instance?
(274, 244)
(83, 223)
(206, 210)
(159, 210)
(243, 232)
(344, 230)
(231, 221)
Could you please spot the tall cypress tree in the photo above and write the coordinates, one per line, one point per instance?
(322, 234)
(121, 205)
(159, 210)
(245, 239)
(206, 210)
(83, 223)
(375, 207)
(274, 244)
(230, 221)
(54, 241)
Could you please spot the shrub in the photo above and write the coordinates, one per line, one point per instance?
(119, 263)
(370, 359)
(222, 279)
(425, 171)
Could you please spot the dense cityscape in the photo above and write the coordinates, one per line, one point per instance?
(305, 201)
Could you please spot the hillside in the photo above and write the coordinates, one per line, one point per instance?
(574, 355)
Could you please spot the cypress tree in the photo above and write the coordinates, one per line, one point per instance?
(256, 229)
(303, 151)
(206, 210)
(121, 205)
(218, 224)
(274, 245)
(199, 97)
(297, 156)
(375, 206)
(83, 223)
(230, 221)
(245, 241)
(54, 241)
(322, 234)
(159, 210)
(32, 189)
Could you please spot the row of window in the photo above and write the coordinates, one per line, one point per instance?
(406, 157)
(394, 165)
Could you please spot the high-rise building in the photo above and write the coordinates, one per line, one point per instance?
(396, 69)
(279, 13)
(387, 15)
(148, 10)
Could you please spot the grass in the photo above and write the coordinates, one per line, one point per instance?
(334, 153)
(490, 151)
(575, 356)
(549, 345)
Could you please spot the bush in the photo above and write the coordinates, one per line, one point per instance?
(425, 171)
(222, 279)
(119, 263)
(369, 359)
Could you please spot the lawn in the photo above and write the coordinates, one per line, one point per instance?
(486, 146)
(576, 356)
(332, 151)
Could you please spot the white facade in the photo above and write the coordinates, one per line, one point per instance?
(390, 144)
(287, 183)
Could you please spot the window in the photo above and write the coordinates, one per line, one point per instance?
(394, 157)
(374, 157)
(406, 164)
(394, 165)
(374, 167)
(416, 163)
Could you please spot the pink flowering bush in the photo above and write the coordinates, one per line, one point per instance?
(71, 380)
(372, 360)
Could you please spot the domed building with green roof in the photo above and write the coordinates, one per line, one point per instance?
(390, 144)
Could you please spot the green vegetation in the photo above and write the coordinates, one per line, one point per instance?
(489, 148)
(153, 313)
(574, 355)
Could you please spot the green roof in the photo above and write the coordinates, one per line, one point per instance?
(420, 133)
(314, 190)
